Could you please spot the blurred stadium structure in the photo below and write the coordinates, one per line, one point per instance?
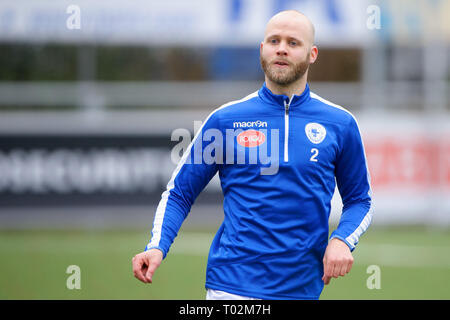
(91, 91)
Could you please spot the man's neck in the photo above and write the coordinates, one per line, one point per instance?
(296, 87)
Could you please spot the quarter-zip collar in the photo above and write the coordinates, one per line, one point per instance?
(281, 99)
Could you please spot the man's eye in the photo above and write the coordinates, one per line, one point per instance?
(293, 43)
(273, 41)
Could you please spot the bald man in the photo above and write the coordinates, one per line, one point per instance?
(279, 153)
(287, 51)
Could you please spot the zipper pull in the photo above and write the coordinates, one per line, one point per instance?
(288, 104)
(286, 131)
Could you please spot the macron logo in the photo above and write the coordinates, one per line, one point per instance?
(250, 124)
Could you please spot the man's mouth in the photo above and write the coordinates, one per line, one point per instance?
(281, 63)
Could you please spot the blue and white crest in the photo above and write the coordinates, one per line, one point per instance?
(315, 132)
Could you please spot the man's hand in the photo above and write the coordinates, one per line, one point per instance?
(145, 264)
(337, 261)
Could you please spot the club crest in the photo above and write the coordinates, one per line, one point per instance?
(315, 132)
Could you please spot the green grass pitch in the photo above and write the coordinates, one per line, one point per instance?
(414, 263)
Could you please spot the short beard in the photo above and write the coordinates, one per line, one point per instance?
(283, 78)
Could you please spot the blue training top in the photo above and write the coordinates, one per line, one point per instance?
(279, 160)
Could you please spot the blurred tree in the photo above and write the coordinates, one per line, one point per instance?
(37, 62)
(336, 65)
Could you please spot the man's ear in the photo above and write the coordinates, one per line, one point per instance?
(313, 54)
(260, 47)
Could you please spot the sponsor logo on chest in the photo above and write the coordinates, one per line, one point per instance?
(251, 138)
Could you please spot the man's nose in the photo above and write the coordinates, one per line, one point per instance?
(281, 50)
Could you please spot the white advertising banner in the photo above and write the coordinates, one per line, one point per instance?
(178, 22)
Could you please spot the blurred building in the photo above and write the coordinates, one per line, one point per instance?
(91, 93)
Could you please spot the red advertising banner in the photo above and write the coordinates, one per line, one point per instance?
(409, 162)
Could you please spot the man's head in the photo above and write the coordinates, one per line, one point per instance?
(288, 47)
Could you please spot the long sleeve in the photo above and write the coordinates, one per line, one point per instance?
(353, 181)
(189, 178)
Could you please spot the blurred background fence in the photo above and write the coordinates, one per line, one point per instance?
(91, 92)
